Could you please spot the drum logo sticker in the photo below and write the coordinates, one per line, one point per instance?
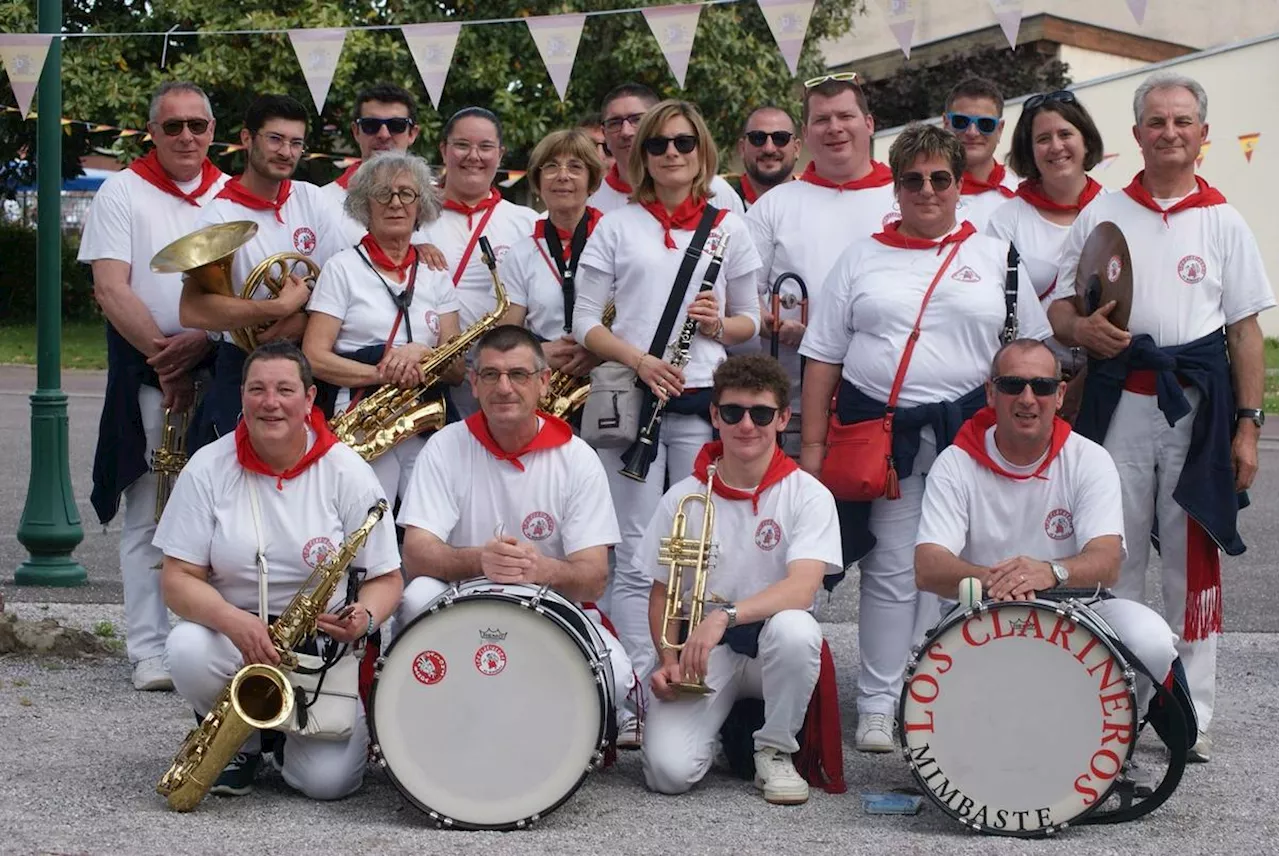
(429, 667)
(304, 240)
(1114, 268)
(490, 660)
(1191, 269)
(314, 551)
(768, 534)
(966, 274)
(1058, 525)
(538, 526)
(493, 634)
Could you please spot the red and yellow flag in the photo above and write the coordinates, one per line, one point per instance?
(1248, 142)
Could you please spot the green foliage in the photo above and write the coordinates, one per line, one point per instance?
(104, 629)
(18, 281)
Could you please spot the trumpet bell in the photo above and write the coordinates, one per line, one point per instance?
(210, 246)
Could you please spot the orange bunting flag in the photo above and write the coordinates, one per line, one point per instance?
(1248, 142)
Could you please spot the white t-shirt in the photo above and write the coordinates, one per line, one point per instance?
(985, 518)
(1038, 240)
(1191, 276)
(626, 260)
(868, 307)
(351, 230)
(796, 519)
(723, 196)
(977, 208)
(209, 522)
(532, 281)
(461, 493)
(130, 220)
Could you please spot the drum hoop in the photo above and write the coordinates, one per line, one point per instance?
(1076, 611)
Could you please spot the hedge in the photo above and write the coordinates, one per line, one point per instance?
(18, 278)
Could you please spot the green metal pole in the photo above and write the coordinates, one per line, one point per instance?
(50, 527)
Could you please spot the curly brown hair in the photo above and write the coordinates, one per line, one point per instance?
(753, 372)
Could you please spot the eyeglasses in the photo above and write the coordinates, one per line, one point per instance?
(394, 126)
(1062, 96)
(1012, 385)
(842, 76)
(173, 127)
(276, 142)
(761, 414)
(914, 181)
(615, 124)
(574, 168)
(518, 377)
(406, 195)
(685, 143)
(757, 138)
(960, 123)
(464, 147)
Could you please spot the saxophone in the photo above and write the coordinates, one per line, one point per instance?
(260, 696)
(382, 420)
(170, 457)
(567, 393)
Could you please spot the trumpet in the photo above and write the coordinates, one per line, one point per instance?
(168, 459)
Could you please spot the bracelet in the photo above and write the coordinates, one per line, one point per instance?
(368, 630)
(640, 362)
(812, 445)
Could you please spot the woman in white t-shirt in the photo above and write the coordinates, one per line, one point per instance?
(378, 311)
(633, 258)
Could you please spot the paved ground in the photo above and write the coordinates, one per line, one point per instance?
(80, 751)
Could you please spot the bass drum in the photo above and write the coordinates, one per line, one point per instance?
(1018, 717)
(490, 709)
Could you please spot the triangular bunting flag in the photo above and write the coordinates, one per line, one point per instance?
(1009, 15)
(674, 28)
(1138, 8)
(1204, 150)
(318, 52)
(432, 48)
(1248, 142)
(789, 22)
(557, 39)
(900, 15)
(23, 56)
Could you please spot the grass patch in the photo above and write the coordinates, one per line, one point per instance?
(84, 344)
(1271, 357)
(105, 630)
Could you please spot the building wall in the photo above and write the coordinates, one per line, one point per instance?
(1090, 65)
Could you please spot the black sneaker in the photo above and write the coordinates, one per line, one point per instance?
(237, 779)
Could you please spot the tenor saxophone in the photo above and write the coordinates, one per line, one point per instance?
(259, 696)
(381, 421)
(567, 393)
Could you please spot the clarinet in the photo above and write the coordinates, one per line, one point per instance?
(1010, 331)
(640, 454)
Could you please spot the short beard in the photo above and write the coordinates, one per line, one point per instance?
(763, 182)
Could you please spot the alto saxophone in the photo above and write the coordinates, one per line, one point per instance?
(567, 393)
(170, 457)
(259, 696)
(381, 421)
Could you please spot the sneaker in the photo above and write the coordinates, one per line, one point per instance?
(630, 733)
(151, 675)
(777, 777)
(875, 733)
(237, 779)
(1199, 753)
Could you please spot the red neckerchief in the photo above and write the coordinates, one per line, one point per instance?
(879, 176)
(1204, 195)
(685, 217)
(248, 456)
(972, 438)
(485, 204)
(554, 432)
(1032, 192)
(235, 191)
(970, 184)
(780, 466)
(613, 178)
(566, 238)
(149, 168)
(892, 237)
(345, 179)
(379, 256)
(749, 192)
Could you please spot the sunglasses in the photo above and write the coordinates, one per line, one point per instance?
(396, 125)
(939, 181)
(173, 127)
(1011, 385)
(761, 414)
(960, 123)
(1062, 96)
(685, 143)
(757, 138)
(842, 76)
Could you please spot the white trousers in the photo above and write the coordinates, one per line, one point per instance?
(394, 467)
(627, 598)
(1144, 633)
(202, 662)
(145, 616)
(1149, 455)
(681, 736)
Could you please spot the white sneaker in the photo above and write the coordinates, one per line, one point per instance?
(150, 674)
(1199, 753)
(875, 733)
(630, 733)
(777, 777)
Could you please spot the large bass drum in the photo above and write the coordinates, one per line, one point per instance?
(1018, 717)
(490, 709)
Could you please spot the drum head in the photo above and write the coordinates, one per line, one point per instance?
(1017, 719)
(488, 714)
(1105, 273)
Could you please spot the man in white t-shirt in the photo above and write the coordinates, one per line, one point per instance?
(974, 111)
(150, 355)
(775, 536)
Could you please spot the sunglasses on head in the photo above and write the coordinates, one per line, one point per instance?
(397, 125)
(761, 414)
(841, 76)
(173, 127)
(685, 143)
(1062, 96)
(757, 138)
(1012, 385)
(960, 123)
(914, 181)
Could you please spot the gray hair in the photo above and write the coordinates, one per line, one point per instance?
(375, 175)
(1025, 345)
(171, 87)
(1169, 80)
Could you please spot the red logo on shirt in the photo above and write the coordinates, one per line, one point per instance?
(538, 526)
(490, 660)
(1114, 268)
(1058, 525)
(304, 240)
(966, 274)
(432, 319)
(315, 550)
(768, 534)
(891, 217)
(1191, 269)
(500, 251)
(429, 667)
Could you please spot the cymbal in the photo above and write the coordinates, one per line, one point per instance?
(1105, 273)
(204, 246)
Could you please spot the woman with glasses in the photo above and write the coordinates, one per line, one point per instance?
(377, 310)
(633, 259)
(860, 326)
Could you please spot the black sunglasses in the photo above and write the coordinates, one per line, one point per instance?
(1062, 96)
(960, 122)
(1040, 386)
(761, 414)
(173, 127)
(914, 181)
(685, 143)
(397, 125)
(757, 138)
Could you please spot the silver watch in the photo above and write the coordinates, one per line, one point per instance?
(731, 613)
(1060, 573)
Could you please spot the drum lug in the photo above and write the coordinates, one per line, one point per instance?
(378, 664)
(375, 753)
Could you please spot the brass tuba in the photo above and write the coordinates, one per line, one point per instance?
(168, 459)
(567, 393)
(205, 257)
(382, 420)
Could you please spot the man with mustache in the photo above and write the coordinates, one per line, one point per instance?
(769, 147)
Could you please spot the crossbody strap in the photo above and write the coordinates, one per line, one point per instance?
(915, 331)
(471, 245)
(675, 300)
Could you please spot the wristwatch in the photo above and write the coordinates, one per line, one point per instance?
(731, 613)
(1252, 413)
(1060, 573)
